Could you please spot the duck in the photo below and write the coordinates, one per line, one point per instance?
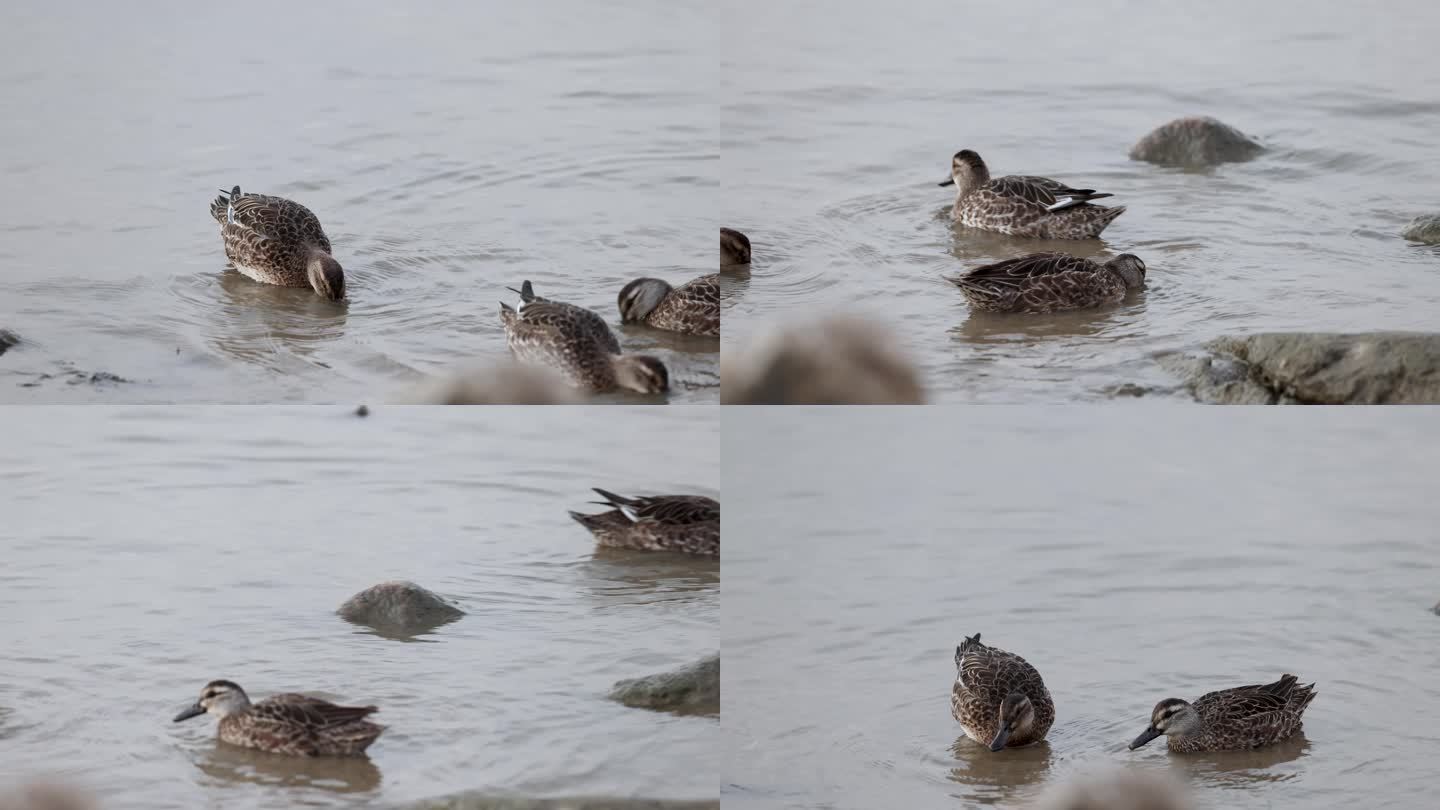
(291, 724)
(684, 523)
(999, 698)
(734, 248)
(1051, 282)
(1231, 719)
(577, 343)
(277, 241)
(693, 308)
(1024, 205)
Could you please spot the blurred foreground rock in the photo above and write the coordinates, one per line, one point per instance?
(836, 360)
(1195, 142)
(399, 608)
(1318, 368)
(45, 796)
(1423, 229)
(1116, 790)
(694, 689)
(497, 384)
(479, 802)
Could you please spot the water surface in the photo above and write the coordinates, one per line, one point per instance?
(1128, 560)
(150, 550)
(450, 151)
(840, 118)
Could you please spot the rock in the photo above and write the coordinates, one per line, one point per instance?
(475, 801)
(837, 360)
(1195, 142)
(1116, 790)
(1219, 380)
(499, 384)
(399, 609)
(694, 689)
(45, 796)
(1374, 368)
(1423, 229)
(1436, 608)
(362, 411)
(8, 340)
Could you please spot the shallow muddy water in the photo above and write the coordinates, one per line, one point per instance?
(148, 551)
(1128, 560)
(838, 120)
(450, 151)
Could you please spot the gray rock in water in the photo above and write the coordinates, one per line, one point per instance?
(1423, 229)
(476, 801)
(1195, 141)
(399, 608)
(690, 690)
(1373, 368)
(8, 340)
(1436, 608)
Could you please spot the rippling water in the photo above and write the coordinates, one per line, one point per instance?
(149, 551)
(450, 150)
(1128, 560)
(839, 120)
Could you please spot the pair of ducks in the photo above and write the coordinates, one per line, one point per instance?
(275, 240)
(1038, 208)
(299, 725)
(1001, 701)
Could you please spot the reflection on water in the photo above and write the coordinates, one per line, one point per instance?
(225, 766)
(991, 779)
(1241, 769)
(1127, 559)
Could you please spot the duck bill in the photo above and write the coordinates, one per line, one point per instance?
(1001, 737)
(1148, 735)
(193, 711)
(949, 181)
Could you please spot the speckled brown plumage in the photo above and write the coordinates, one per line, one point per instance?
(985, 678)
(1231, 719)
(692, 308)
(577, 343)
(277, 241)
(289, 723)
(734, 248)
(1051, 282)
(1024, 205)
(686, 523)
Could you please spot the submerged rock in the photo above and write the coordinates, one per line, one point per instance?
(1436, 608)
(399, 608)
(694, 689)
(476, 801)
(837, 360)
(8, 340)
(1423, 229)
(498, 384)
(1195, 141)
